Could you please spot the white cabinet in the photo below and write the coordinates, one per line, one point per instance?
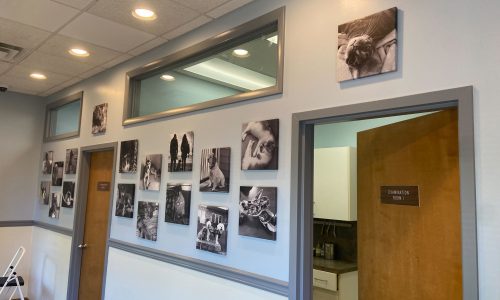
(345, 287)
(335, 189)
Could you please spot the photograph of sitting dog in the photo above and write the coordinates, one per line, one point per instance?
(259, 145)
(212, 229)
(214, 173)
(367, 46)
(147, 220)
(178, 203)
(150, 176)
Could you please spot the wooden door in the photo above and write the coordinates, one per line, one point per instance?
(410, 252)
(96, 226)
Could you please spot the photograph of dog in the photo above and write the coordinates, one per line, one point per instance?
(147, 220)
(178, 204)
(57, 173)
(128, 156)
(151, 173)
(367, 46)
(259, 145)
(125, 200)
(55, 205)
(100, 118)
(45, 192)
(180, 158)
(68, 194)
(48, 159)
(214, 173)
(71, 161)
(212, 229)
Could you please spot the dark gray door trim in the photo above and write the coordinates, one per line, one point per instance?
(300, 281)
(79, 219)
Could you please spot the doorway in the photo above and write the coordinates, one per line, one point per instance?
(92, 222)
(459, 102)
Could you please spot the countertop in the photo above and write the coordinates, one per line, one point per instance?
(334, 266)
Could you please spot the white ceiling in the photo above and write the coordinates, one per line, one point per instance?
(47, 29)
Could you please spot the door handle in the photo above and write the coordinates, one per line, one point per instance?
(82, 246)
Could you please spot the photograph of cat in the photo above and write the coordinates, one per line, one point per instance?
(367, 46)
(259, 145)
(214, 173)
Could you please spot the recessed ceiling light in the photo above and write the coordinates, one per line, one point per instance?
(167, 77)
(144, 14)
(79, 52)
(38, 76)
(241, 53)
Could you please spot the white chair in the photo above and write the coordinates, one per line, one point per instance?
(10, 278)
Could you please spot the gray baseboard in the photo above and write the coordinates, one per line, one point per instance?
(261, 282)
(55, 228)
(17, 223)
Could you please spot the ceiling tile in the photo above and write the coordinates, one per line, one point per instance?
(105, 33)
(116, 61)
(187, 27)
(43, 14)
(202, 5)
(91, 72)
(148, 46)
(18, 80)
(169, 14)
(45, 62)
(80, 4)
(59, 45)
(21, 35)
(4, 67)
(228, 7)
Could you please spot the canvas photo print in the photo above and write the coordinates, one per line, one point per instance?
(214, 173)
(259, 145)
(68, 194)
(125, 200)
(178, 205)
(128, 156)
(57, 173)
(151, 173)
(147, 220)
(258, 212)
(45, 192)
(99, 118)
(55, 205)
(180, 157)
(212, 229)
(367, 46)
(71, 161)
(48, 159)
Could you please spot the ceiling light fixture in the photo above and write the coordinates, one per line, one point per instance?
(38, 76)
(79, 52)
(241, 53)
(167, 77)
(144, 14)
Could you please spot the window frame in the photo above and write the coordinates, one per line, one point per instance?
(48, 137)
(210, 45)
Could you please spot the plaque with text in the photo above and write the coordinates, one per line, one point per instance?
(400, 195)
(103, 186)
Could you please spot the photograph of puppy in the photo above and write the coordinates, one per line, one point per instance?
(128, 156)
(178, 203)
(259, 145)
(367, 46)
(214, 173)
(151, 173)
(100, 118)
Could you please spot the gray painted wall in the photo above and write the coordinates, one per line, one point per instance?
(21, 124)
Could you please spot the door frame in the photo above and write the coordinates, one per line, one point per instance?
(79, 218)
(301, 211)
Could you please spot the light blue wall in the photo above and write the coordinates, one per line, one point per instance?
(159, 95)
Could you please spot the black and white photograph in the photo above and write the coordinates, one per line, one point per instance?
(54, 205)
(367, 46)
(178, 203)
(258, 212)
(99, 118)
(180, 158)
(214, 173)
(151, 173)
(57, 173)
(68, 194)
(125, 200)
(48, 159)
(71, 161)
(259, 145)
(212, 229)
(147, 220)
(128, 156)
(45, 192)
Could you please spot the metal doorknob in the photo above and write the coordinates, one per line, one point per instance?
(82, 246)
